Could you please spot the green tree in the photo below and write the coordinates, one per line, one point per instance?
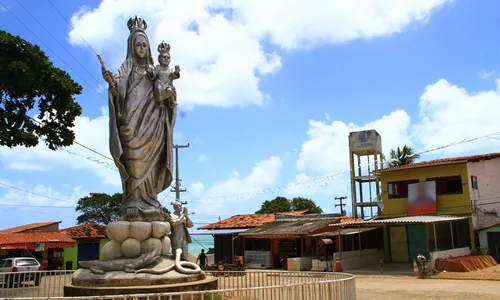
(282, 204)
(100, 208)
(28, 78)
(278, 204)
(402, 156)
(300, 203)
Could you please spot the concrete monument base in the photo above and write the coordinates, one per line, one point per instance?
(208, 283)
(86, 283)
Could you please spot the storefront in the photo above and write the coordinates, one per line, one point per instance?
(46, 247)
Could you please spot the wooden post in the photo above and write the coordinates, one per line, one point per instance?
(435, 237)
(452, 239)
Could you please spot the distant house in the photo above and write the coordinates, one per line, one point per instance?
(225, 232)
(89, 238)
(41, 240)
(489, 239)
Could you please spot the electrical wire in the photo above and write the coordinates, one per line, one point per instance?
(57, 41)
(324, 179)
(74, 29)
(53, 52)
(263, 191)
(36, 194)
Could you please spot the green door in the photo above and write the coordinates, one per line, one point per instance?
(494, 245)
(417, 241)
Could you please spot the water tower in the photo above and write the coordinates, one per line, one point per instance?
(365, 157)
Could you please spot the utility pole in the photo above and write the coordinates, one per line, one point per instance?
(342, 204)
(177, 189)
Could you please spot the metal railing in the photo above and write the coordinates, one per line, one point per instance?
(248, 285)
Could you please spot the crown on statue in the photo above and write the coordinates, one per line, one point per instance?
(163, 47)
(137, 23)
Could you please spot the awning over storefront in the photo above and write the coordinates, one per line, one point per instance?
(346, 231)
(292, 228)
(405, 220)
(217, 231)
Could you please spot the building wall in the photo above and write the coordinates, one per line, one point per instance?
(483, 239)
(71, 254)
(486, 198)
(446, 204)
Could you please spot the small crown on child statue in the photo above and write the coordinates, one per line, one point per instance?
(163, 47)
(137, 23)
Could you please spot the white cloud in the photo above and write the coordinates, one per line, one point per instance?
(326, 150)
(487, 74)
(219, 44)
(263, 175)
(196, 188)
(449, 113)
(202, 157)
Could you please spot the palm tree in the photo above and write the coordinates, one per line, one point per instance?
(402, 156)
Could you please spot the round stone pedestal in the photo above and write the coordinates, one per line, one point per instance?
(86, 283)
(209, 283)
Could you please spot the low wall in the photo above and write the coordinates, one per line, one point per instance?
(359, 259)
(322, 265)
(444, 254)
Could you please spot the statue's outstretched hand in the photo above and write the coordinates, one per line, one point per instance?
(177, 69)
(108, 77)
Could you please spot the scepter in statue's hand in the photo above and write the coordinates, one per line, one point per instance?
(108, 77)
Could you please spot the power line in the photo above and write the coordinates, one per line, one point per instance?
(323, 179)
(53, 52)
(57, 41)
(74, 29)
(36, 194)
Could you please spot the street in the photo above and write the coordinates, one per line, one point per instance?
(409, 288)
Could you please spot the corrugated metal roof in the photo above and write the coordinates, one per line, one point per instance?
(296, 227)
(216, 231)
(406, 220)
(346, 231)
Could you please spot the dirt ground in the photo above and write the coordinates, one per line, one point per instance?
(492, 273)
(409, 288)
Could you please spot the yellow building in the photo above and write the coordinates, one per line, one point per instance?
(456, 184)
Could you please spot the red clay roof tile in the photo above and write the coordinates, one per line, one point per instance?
(86, 231)
(440, 161)
(249, 221)
(28, 227)
(34, 237)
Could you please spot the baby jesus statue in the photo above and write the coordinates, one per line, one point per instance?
(164, 77)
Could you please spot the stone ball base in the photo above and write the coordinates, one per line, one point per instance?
(131, 239)
(208, 283)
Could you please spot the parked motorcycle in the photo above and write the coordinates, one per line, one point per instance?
(227, 269)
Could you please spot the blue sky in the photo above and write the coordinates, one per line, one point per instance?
(268, 92)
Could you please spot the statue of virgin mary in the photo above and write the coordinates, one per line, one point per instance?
(141, 133)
